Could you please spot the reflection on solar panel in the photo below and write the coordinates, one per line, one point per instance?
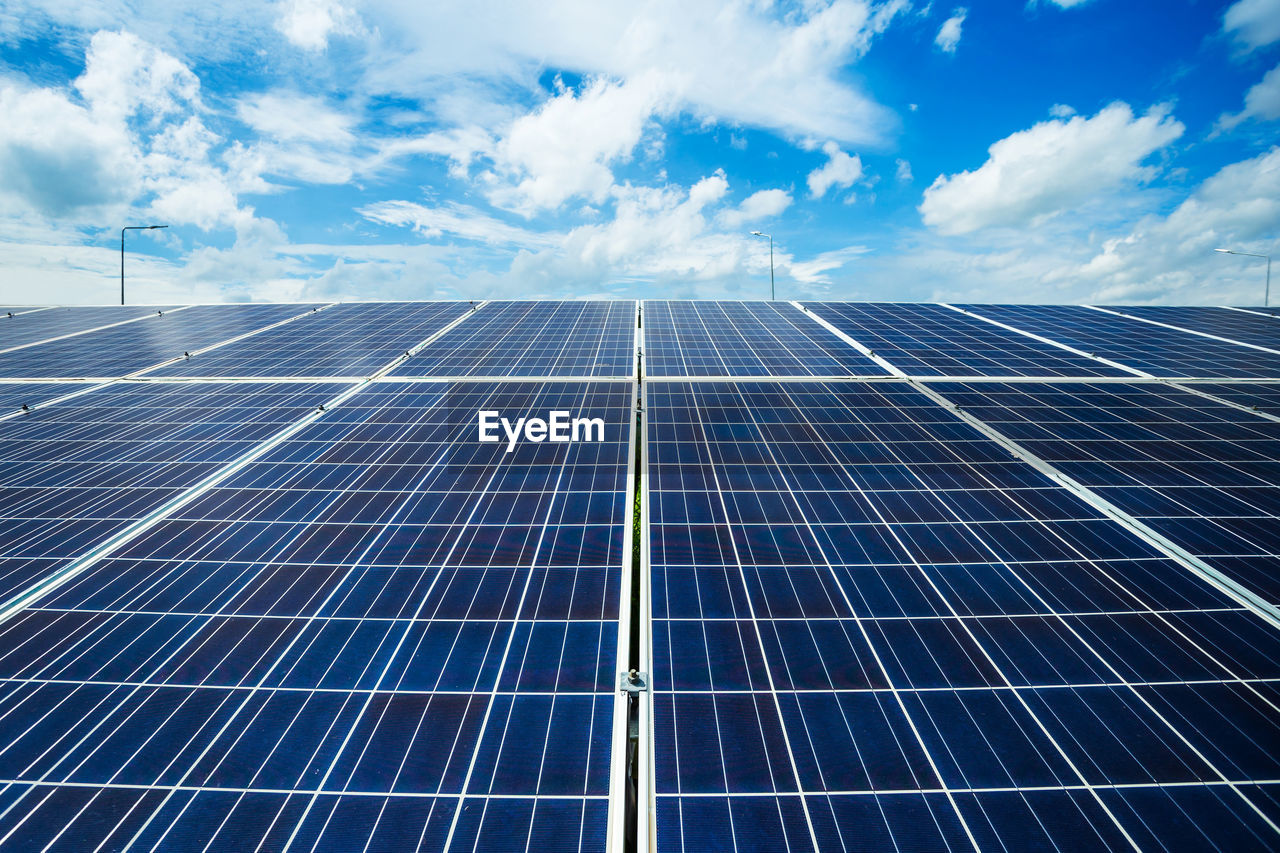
(351, 339)
(382, 633)
(74, 473)
(933, 340)
(1262, 396)
(1205, 475)
(534, 339)
(232, 617)
(24, 329)
(1156, 350)
(874, 629)
(744, 339)
(121, 350)
(1224, 322)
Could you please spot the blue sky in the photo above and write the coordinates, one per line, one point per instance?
(1041, 151)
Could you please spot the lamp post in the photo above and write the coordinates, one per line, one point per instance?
(122, 230)
(772, 295)
(1266, 294)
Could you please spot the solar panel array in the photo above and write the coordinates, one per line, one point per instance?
(903, 577)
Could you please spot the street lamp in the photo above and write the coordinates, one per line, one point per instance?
(772, 295)
(122, 230)
(1266, 294)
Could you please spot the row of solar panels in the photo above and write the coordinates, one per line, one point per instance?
(322, 615)
(596, 339)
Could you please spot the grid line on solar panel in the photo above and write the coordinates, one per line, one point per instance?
(383, 509)
(25, 330)
(354, 339)
(562, 339)
(784, 455)
(1240, 326)
(923, 339)
(1159, 351)
(743, 339)
(1262, 397)
(1201, 474)
(136, 346)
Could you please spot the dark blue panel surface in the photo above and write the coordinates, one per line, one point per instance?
(870, 622)
(383, 622)
(27, 328)
(351, 339)
(1263, 331)
(934, 340)
(744, 339)
(125, 349)
(534, 339)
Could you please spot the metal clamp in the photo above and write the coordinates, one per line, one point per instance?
(633, 682)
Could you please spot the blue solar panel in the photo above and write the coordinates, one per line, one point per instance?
(121, 350)
(744, 339)
(874, 629)
(25, 329)
(933, 340)
(1262, 396)
(382, 634)
(534, 339)
(74, 473)
(1263, 331)
(353, 339)
(1153, 349)
(15, 395)
(1205, 475)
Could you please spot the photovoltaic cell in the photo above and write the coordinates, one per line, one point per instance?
(534, 339)
(14, 395)
(1153, 349)
(383, 634)
(75, 473)
(744, 339)
(1224, 322)
(352, 339)
(121, 350)
(921, 339)
(23, 329)
(874, 629)
(1205, 475)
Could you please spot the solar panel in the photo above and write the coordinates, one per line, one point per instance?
(934, 340)
(1237, 325)
(350, 339)
(873, 629)
(534, 339)
(1262, 396)
(121, 350)
(1156, 350)
(15, 395)
(382, 634)
(744, 339)
(1205, 475)
(25, 329)
(74, 473)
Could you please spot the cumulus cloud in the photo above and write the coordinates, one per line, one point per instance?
(455, 220)
(755, 207)
(840, 170)
(949, 33)
(904, 171)
(1253, 23)
(309, 23)
(1054, 166)
(1261, 102)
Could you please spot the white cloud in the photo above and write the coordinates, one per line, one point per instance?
(457, 220)
(949, 33)
(566, 147)
(291, 117)
(755, 207)
(1261, 102)
(1054, 166)
(904, 171)
(1062, 111)
(1255, 23)
(840, 170)
(309, 23)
